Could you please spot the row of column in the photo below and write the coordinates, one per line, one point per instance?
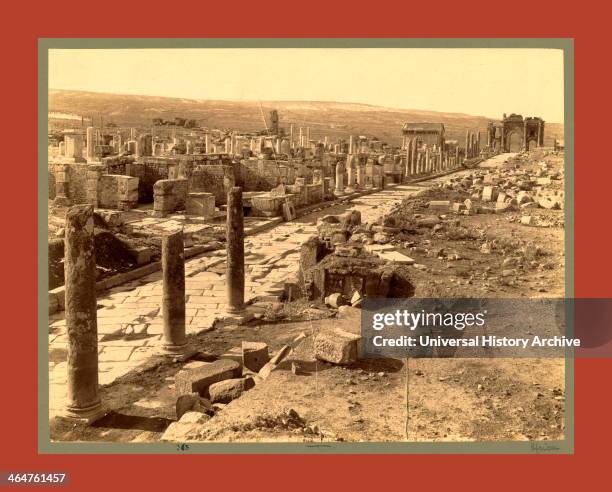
(472, 144)
(83, 398)
(420, 160)
(352, 176)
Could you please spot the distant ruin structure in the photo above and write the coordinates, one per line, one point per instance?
(429, 134)
(515, 133)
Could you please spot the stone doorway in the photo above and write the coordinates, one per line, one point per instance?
(515, 142)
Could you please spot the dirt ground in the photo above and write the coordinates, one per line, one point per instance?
(448, 399)
(483, 255)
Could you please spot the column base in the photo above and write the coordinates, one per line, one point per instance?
(171, 349)
(238, 317)
(87, 415)
(338, 193)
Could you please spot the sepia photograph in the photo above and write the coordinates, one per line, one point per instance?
(221, 220)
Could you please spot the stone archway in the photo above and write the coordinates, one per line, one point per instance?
(514, 141)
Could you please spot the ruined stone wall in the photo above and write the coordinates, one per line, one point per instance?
(76, 178)
(148, 171)
(117, 191)
(265, 174)
(217, 179)
(118, 164)
(259, 177)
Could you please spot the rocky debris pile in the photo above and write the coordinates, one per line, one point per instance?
(286, 420)
(502, 189)
(337, 266)
(537, 220)
(204, 388)
(443, 235)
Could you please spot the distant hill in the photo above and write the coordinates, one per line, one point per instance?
(333, 119)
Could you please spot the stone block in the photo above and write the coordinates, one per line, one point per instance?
(459, 207)
(127, 185)
(141, 254)
(199, 379)
(337, 346)
(289, 212)
(191, 402)
(186, 428)
(229, 389)
(235, 353)
(266, 205)
(200, 204)
(396, 257)
(255, 355)
(170, 195)
(548, 203)
(116, 191)
(523, 197)
(441, 205)
(112, 218)
(489, 193)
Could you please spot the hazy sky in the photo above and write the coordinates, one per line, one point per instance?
(485, 82)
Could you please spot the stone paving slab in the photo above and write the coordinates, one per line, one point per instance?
(130, 325)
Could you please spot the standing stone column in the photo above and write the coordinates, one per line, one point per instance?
(235, 251)
(81, 318)
(360, 176)
(90, 143)
(350, 175)
(427, 161)
(208, 149)
(339, 180)
(408, 147)
(173, 297)
(538, 144)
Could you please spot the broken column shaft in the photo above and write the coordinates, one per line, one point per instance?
(235, 251)
(83, 401)
(173, 297)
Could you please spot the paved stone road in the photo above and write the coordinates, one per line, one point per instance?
(129, 316)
